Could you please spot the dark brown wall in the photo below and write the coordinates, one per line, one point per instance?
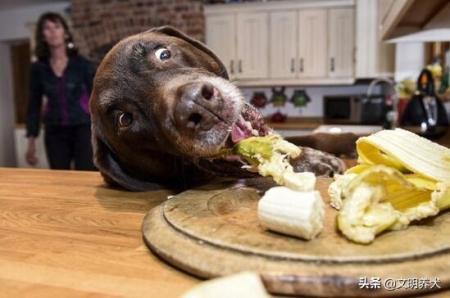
(99, 24)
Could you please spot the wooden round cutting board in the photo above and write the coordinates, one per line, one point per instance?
(213, 231)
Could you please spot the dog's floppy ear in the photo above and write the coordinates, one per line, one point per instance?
(106, 161)
(171, 31)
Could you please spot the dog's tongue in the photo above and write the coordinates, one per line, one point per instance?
(240, 131)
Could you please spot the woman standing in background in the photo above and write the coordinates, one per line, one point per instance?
(65, 78)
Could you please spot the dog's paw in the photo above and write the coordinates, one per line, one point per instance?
(318, 162)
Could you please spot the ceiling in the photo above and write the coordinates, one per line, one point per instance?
(10, 4)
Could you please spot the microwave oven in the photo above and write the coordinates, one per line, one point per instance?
(353, 109)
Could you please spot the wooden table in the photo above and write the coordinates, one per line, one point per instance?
(66, 234)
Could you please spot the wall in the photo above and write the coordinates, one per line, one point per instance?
(13, 27)
(410, 60)
(7, 149)
(98, 25)
(13, 21)
(316, 93)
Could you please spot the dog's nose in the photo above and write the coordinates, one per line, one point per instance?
(207, 91)
(198, 106)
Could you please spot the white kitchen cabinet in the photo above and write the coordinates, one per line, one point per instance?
(284, 43)
(312, 43)
(295, 50)
(241, 42)
(221, 37)
(341, 48)
(252, 45)
(373, 57)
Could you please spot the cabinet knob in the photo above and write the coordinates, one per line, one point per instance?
(332, 64)
(232, 66)
(292, 65)
(240, 66)
(301, 64)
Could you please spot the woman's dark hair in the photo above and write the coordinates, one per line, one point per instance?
(41, 49)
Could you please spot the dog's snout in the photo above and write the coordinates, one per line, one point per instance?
(198, 106)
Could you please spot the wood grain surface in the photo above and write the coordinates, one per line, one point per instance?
(66, 234)
(214, 230)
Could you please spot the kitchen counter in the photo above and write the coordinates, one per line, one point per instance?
(296, 123)
(362, 130)
(65, 234)
(313, 125)
(444, 140)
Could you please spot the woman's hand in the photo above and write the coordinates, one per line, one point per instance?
(31, 153)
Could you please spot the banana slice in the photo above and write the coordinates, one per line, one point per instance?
(241, 285)
(295, 213)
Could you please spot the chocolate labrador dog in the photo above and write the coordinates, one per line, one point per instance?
(162, 108)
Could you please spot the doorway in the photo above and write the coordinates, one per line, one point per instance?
(20, 61)
(20, 56)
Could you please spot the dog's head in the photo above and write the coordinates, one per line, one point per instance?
(161, 99)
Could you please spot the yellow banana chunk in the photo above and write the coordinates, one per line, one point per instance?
(401, 177)
(255, 149)
(442, 195)
(336, 188)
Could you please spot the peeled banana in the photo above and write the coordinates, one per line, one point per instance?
(401, 177)
(295, 213)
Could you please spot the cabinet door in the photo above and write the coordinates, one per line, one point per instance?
(221, 38)
(283, 44)
(366, 39)
(341, 42)
(253, 45)
(386, 51)
(373, 58)
(312, 43)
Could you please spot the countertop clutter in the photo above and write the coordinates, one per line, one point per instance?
(313, 125)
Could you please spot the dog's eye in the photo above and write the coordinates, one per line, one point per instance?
(162, 54)
(125, 119)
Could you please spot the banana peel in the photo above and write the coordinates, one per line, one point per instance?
(401, 178)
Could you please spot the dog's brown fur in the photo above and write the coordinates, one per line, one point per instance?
(156, 122)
